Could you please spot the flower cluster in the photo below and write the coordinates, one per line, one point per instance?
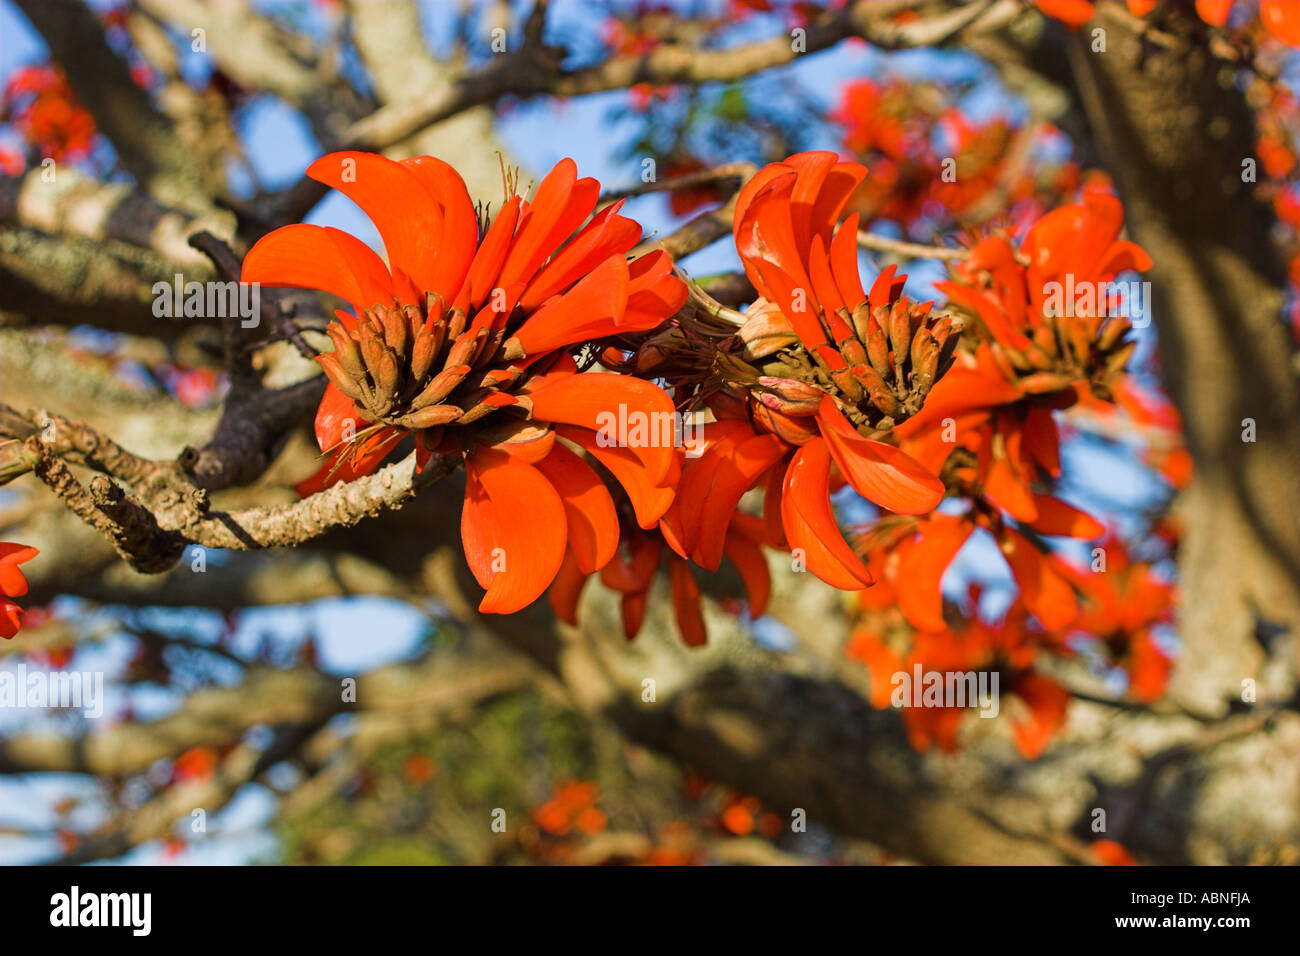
(43, 110)
(465, 344)
(462, 341)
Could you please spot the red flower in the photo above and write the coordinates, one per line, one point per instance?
(632, 569)
(45, 112)
(1110, 853)
(1007, 647)
(1123, 602)
(12, 584)
(1041, 351)
(463, 340)
(1044, 580)
(818, 420)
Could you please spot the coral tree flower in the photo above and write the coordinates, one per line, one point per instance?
(12, 584)
(825, 370)
(1038, 354)
(462, 340)
(43, 109)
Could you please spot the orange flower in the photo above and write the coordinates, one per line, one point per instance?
(1008, 648)
(632, 569)
(1038, 356)
(12, 584)
(1123, 602)
(45, 112)
(1110, 853)
(463, 340)
(838, 386)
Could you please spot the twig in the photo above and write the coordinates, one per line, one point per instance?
(908, 250)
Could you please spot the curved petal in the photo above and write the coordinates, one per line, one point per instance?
(921, 568)
(746, 556)
(315, 257)
(1044, 590)
(11, 618)
(335, 416)
(12, 581)
(459, 240)
(635, 572)
(560, 204)
(486, 268)
(348, 461)
(810, 523)
(592, 309)
(566, 590)
(513, 529)
(1047, 702)
(588, 509)
(408, 217)
(879, 472)
(628, 413)
(737, 471)
(686, 603)
(607, 234)
(649, 500)
(1058, 518)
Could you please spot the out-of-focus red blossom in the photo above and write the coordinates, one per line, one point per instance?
(572, 807)
(195, 387)
(638, 36)
(684, 201)
(173, 847)
(464, 340)
(196, 764)
(12, 162)
(12, 584)
(916, 553)
(1115, 606)
(1281, 18)
(929, 161)
(1110, 853)
(738, 817)
(1008, 647)
(42, 108)
(52, 658)
(1122, 602)
(418, 768)
(1157, 419)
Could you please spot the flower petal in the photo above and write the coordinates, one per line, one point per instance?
(315, 257)
(513, 529)
(606, 403)
(408, 217)
(921, 567)
(879, 472)
(589, 511)
(810, 523)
